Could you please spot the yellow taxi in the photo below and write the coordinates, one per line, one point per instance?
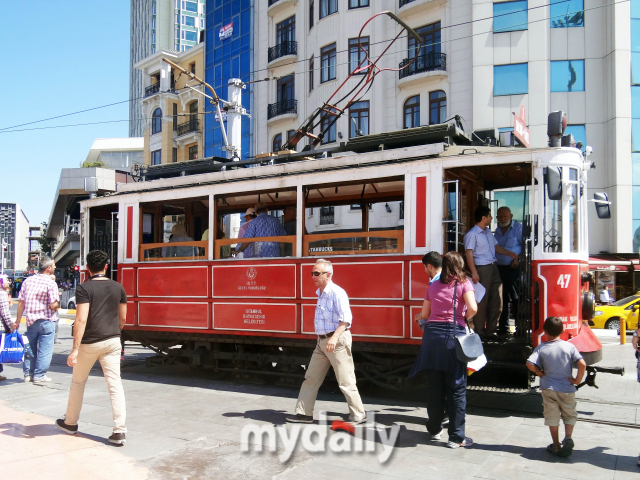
(608, 316)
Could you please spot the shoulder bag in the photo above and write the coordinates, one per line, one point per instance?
(468, 345)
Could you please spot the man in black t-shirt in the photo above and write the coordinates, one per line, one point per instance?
(101, 315)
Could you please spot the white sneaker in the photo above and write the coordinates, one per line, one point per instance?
(28, 379)
(437, 436)
(44, 379)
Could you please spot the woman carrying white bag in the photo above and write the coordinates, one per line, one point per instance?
(446, 304)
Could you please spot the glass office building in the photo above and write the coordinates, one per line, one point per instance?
(228, 54)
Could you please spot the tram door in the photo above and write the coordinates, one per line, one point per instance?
(104, 235)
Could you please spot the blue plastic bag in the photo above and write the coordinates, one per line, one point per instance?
(11, 348)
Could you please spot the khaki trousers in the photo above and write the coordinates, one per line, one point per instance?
(342, 362)
(490, 308)
(108, 353)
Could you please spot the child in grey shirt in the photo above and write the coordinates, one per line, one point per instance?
(553, 362)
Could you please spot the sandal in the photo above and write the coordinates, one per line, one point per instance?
(558, 452)
(568, 445)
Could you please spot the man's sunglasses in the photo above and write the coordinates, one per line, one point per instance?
(317, 274)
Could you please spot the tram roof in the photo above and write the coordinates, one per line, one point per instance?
(380, 149)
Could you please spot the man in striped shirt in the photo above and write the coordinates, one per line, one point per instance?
(264, 225)
(333, 349)
(39, 300)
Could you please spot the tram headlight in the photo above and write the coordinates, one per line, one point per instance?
(598, 312)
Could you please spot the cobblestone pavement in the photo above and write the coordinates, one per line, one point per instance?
(185, 425)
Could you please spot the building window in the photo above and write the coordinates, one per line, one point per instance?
(191, 36)
(193, 152)
(192, 68)
(567, 76)
(311, 73)
(327, 216)
(190, 6)
(189, 21)
(286, 88)
(311, 14)
(175, 116)
(635, 121)
(431, 40)
(328, 128)
(277, 143)
(437, 107)
(359, 119)
(328, 7)
(510, 79)
(566, 13)
(358, 3)
(156, 157)
(156, 121)
(291, 133)
(510, 16)
(328, 63)
(175, 155)
(579, 133)
(357, 55)
(286, 31)
(412, 112)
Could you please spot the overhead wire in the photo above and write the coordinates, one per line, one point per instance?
(11, 129)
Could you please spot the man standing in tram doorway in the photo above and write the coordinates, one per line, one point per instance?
(481, 248)
(509, 236)
(333, 349)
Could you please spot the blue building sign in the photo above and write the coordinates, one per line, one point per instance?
(228, 54)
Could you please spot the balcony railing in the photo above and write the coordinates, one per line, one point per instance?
(192, 125)
(282, 49)
(151, 89)
(73, 228)
(271, 2)
(428, 62)
(281, 107)
(404, 2)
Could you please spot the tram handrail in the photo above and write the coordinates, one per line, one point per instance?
(397, 234)
(150, 246)
(234, 241)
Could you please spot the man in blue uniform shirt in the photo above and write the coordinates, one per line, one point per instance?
(509, 236)
(480, 248)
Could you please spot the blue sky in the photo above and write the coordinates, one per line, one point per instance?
(58, 57)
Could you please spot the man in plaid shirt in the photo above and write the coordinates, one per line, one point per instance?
(39, 300)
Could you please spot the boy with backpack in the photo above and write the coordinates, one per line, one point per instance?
(553, 362)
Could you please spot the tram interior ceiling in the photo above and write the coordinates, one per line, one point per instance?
(174, 229)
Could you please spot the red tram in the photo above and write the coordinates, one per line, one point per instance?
(374, 215)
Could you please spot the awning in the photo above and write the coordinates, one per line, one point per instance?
(613, 264)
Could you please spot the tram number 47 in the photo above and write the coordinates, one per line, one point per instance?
(563, 280)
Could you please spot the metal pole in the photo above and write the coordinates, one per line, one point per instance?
(3, 244)
(234, 117)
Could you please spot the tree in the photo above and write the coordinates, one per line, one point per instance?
(97, 163)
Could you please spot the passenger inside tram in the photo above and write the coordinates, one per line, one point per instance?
(179, 234)
(264, 225)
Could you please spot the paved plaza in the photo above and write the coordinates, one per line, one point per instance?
(183, 424)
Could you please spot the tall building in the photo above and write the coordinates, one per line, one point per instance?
(229, 53)
(14, 229)
(159, 25)
(635, 118)
(479, 59)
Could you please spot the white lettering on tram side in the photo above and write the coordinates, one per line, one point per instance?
(252, 285)
(570, 322)
(253, 316)
(321, 249)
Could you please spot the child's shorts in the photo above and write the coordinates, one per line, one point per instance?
(559, 405)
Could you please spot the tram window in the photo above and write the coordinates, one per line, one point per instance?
(574, 211)
(241, 217)
(552, 224)
(349, 210)
(174, 230)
